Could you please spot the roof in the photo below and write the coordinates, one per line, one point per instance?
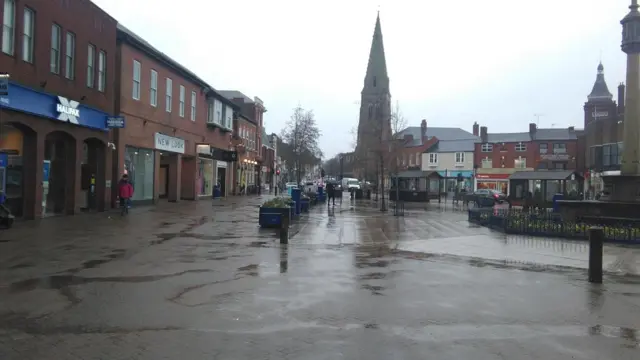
(538, 135)
(448, 146)
(600, 91)
(377, 76)
(409, 174)
(442, 133)
(124, 34)
(234, 94)
(544, 175)
(265, 139)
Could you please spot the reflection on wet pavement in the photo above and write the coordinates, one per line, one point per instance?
(352, 283)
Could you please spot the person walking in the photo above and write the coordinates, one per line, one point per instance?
(331, 193)
(125, 192)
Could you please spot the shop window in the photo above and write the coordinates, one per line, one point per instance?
(520, 163)
(205, 177)
(139, 165)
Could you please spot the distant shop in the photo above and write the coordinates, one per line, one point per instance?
(498, 182)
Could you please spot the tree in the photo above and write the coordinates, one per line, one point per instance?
(301, 134)
(398, 123)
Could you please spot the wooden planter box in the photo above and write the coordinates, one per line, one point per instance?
(272, 217)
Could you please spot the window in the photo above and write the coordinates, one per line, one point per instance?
(486, 147)
(459, 158)
(560, 165)
(521, 147)
(619, 158)
(55, 48)
(9, 27)
(433, 159)
(91, 65)
(169, 95)
(411, 159)
(559, 148)
(193, 106)
(102, 71)
(487, 163)
(27, 35)
(228, 117)
(137, 72)
(210, 112)
(70, 54)
(544, 148)
(153, 88)
(520, 163)
(418, 158)
(182, 100)
(217, 113)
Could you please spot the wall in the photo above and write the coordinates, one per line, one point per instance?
(90, 25)
(447, 161)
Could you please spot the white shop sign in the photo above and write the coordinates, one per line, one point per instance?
(222, 164)
(169, 143)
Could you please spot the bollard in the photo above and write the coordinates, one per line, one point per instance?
(596, 242)
(284, 229)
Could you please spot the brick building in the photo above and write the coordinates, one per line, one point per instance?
(499, 155)
(53, 130)
(178, 129)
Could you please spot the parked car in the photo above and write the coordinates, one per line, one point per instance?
(486, 197)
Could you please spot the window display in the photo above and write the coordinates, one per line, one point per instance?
(139, 164)
(205, 177)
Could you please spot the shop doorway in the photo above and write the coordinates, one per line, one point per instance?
(222, 180)
(163, 181)
(13, 137)
(93, 175)
(58, 182)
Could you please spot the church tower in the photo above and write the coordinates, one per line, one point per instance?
(374, 125)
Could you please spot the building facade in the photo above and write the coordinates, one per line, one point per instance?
(167, 148)
(54, 139)
(453, 160)
(499, 155)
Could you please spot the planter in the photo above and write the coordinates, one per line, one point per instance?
(271, 217)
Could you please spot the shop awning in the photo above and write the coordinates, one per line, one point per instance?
(545, 175)
(416, 174)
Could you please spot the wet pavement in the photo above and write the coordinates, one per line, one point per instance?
(195, 281)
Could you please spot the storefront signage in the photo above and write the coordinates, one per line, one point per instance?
(454, 173)
(492, 176)
(4, 84)
(115, 122)
(224, 155)
(24, 99)
(555, 157)
(169, 143)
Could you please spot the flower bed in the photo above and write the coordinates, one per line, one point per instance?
(271, 212)
(551, 225)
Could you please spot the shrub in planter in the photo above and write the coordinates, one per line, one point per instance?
(272, 210)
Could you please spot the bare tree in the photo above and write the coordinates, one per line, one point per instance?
(302, 134)
(398, 123)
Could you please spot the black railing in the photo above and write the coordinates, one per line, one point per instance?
(549, 224)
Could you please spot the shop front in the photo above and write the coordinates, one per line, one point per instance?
(57, 150)
(499, 182)
(455, 180)
(206, 172)
(139, 165)
(170, 177)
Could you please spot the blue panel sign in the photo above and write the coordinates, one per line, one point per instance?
(454, 173)
(115, 122)
(58, 108)
(46, 166)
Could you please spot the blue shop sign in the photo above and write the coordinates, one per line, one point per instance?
(58, 108)
(454, 173)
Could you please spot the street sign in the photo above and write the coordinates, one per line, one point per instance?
(115, 122)
(4, 84)
(224, 155)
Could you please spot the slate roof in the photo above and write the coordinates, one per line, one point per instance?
(448, 146)
(543, 175)
(233, 94)
(442, 133)
(600, 91)
(408, 174)
(539, 135)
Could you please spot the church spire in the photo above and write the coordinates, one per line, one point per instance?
(600, 90)
(376, 79)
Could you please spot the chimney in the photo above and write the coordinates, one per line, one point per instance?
(423, 128)
(572, 128)
(532, 128)
(621, 89)
(483, 133)
(476, 128)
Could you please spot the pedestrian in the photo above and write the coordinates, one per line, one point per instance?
(125, 192)
(331, 193)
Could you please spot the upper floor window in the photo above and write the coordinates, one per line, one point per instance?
(520, 163)
(70, 56)
(181, 106)
(56, 33)
(418, 158)
(193, 106)
(91, 65)
(486, 147)
(217, 112)
(459, 158)
(487, 163)
(28, 27)
(560, 148)
(433, 158)
(169, 95)
(228, 116)
(102, 71)
(137, 75)
(521, 147)
(9, 27)
(153, 88)
(544, 148)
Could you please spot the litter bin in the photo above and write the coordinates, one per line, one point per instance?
(216, 191)
(295, 196)
(555, 199)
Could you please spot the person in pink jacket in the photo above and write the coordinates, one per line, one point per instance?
(125, 192)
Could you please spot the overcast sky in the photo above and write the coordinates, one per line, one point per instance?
(497, 62)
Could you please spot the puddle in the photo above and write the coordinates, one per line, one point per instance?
(375, 290)
(250, 270)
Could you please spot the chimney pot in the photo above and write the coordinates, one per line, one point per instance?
(572, 128)
(532, 128)
(423, 128)
(483, 133)
(476, 128)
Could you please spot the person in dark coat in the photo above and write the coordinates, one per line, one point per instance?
(331, 193)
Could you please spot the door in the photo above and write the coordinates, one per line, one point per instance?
(222, 180)
(163, 179)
